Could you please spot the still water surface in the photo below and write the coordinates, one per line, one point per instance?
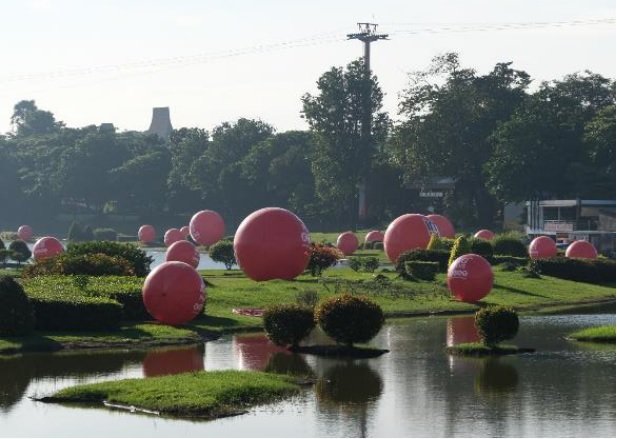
(565, 389)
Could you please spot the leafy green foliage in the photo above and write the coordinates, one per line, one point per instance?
(322, 257)
(504, 244)
(595, 271)
(422, 270)
(482, 247)
(140, 263)
(16, 314)
(496, 324)
(223, 251)
(364, 263)
(349, 319)
(288, 324)
(19, 251)
(439, 256)
(78, 232)
(91, 264)
(434, 243)
(461, 247)
(307, 298)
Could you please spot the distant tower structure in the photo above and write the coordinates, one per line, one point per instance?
(107, 126)
(161, 123)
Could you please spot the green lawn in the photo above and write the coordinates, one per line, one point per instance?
(601, 334)
(198, 394)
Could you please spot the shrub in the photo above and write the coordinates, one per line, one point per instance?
(482, 247)
(349, 319)
(16, 314)
(378, 245)
(78, 233)
(96, 264)
(422, 270)
(20, 251)
(439, 256)
(103, 234)
(532, 269)
(2, 246)
(369, 245)
(434, 243)
(461, 247)
(322, 257)
(496, 324)
(223, 251)
(368, 263)
(288, 324)
(138, 259)
(501, 259)
(596, 271)
(4, 255)
(307, 298)
(509, 245)
(355, 263)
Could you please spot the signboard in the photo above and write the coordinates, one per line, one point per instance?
(431, 194)
(550, 226)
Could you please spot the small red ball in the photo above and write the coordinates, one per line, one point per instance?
(407, 232)
(207, 227)
(484, 234)
(374, 236)
(183, 251)
(46, 247)
(542, 247)
(470, 278)
(25, 232)
(445, 227)
(171, 236)
(347, 242)
(581, 249)
(146, 233)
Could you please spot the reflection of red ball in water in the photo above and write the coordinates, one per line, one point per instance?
(46, 247)
(146, 233)
(581, 249)
(183, 251)
(407, 232)
(484, 234)
(373, 236)
(461, 330)
(255, 350)
(347, 242)
(470, 278)
(25, 232)
(171, 236)
(173, 361)
(542, 247)
(445, 227)
(272, 243)
(174, 293)
(207, 227)
(186, 231)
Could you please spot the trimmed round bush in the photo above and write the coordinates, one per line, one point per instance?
(138, 259)
(322, 257)
(461, 247)
(288, 324)
(482, 247)
(349, 319)
(439, 256)
(223, 251)
(96, 264)
(20, 251)
(496, 324)
(16, 314)
(509, 245)
(422, 270)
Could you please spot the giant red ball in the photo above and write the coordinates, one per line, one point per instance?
(542, 247)
(146, 233)
(484, 234)
(347, 242)
(445, 227)
(183, 251)
(581, 249)
(374, 236)
(407, 232)
(46, 247)
(207, 227)
(470, 278)
(174, 293)
(272, 243)
(171, 236)
(186, 231)
(25, 232)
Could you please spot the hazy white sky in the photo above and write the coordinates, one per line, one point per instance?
(112, 61)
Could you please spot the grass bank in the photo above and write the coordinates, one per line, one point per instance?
(481, 350)
(598, 334)
(196, 395)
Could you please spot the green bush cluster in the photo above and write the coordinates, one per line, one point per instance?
(513, 260)
(364, 263)
(496, 324)
(461, 247)
(509, 245)
(378, 245)
(138, 259)
(422, 270)
(322, 257)
(95, 264)
(482, 247)
(439, 256)
(595, 271)
(105, 234)
(223, 251)
(19, 251)
(16, 313)
(288, 324)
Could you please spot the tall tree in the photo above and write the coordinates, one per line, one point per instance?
(28, 120)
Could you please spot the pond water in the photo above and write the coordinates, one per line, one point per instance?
(565, 389)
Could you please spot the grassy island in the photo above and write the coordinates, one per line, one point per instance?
(598, 334)
(205, 395)
(481, 350)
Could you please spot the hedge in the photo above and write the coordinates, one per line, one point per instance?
(422, 270)
(136, 257)
(595, 271)
(439, 256)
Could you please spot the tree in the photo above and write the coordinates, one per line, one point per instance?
(344, 148)
(19, 251)
(28, 120)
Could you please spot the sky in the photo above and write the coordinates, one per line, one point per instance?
(212, 61)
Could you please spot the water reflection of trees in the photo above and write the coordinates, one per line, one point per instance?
(289, 364)
(171, 361)
(496, 378)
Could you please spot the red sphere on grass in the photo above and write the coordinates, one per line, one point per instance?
(174, 293)
(47, 247)
(207, 227)
(374, 236)
(171, 236)
(186, 231)
(542, 247)
(347, 242)
(183, 251)
(272, 243)
(407, 232)
(484, 234)
(25, 232)
(146, 233)
(581, 249)
(470, 278)
(445, 227)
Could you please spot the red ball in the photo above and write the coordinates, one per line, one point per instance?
(24, 232)
(183, 251)
(207, 227)
(186, 232)
(171, 236)
(470, 278)
(173, 361)
(445, 227)
(146, 233)
(461, 330)
(46, 247)
(347, 242)
(374, 236)
(581, 249)
(407, 232)
(272, 243)
(174, 293)
(542, 247)
(484, 234)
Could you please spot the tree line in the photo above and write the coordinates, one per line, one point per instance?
(494, 137)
